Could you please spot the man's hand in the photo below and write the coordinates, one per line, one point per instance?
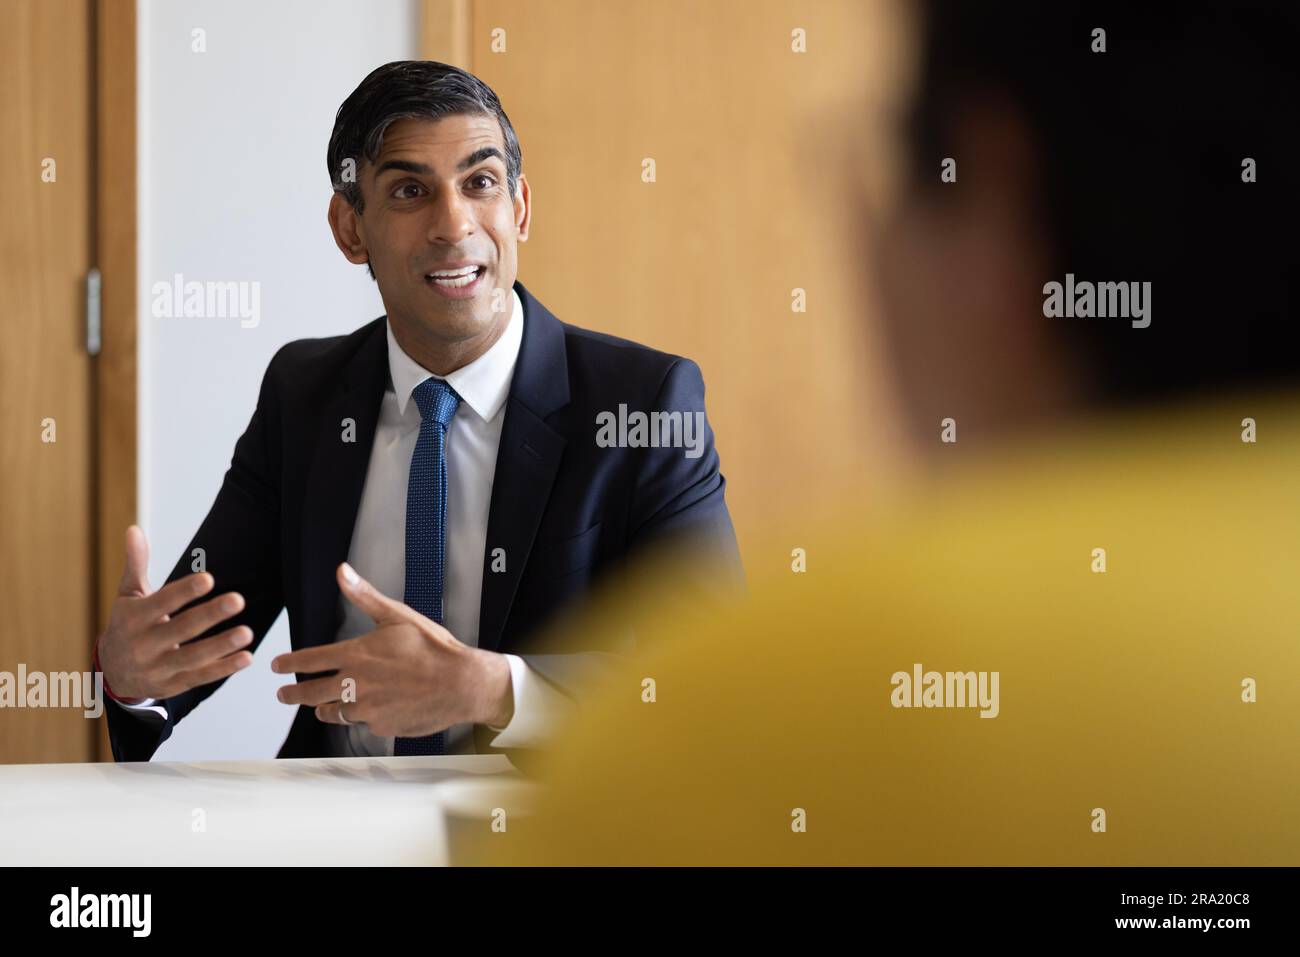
(410, 676)
(141, 651)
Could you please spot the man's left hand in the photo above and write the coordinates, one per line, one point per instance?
(411, 676)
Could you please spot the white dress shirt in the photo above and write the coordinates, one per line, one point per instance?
(378, 549)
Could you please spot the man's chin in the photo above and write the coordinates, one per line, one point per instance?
(458, 322)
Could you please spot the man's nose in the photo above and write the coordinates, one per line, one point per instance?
(453, 218)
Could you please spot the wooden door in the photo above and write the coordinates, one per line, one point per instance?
(47, 416)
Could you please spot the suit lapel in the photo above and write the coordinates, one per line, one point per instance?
(336, 479)
(527, 461)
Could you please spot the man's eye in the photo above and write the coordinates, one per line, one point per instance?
(402, 191)
(486, 179)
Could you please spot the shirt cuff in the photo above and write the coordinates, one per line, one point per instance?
(539, 707)
(143, 706)
(137, 702)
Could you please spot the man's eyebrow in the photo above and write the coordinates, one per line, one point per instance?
(420, 169)
(479, 155)
(404, 166)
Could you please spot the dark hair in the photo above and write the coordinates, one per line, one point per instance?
(1140, 170)
(409, 89)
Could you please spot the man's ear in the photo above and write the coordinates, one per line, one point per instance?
(523, 207)
(348, 233)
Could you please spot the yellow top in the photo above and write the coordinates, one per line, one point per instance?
(1123, 731)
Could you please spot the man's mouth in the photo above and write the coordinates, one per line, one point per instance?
(455, 279)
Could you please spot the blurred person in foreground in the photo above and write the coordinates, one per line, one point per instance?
(1077, 643)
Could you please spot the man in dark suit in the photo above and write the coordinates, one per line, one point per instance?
(425, 494)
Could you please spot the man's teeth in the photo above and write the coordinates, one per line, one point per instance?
(453, 278)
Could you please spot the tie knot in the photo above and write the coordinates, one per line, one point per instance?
(437, 401)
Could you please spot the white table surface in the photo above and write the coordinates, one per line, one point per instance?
(295, 811)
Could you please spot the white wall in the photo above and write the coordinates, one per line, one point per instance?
(233, 187)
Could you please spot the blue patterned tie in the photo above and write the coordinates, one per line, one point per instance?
(426, 522)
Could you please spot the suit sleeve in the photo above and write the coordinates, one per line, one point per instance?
(679, 497)
(240, 546)
(678, 506)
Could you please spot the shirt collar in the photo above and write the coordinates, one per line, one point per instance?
(482, 385)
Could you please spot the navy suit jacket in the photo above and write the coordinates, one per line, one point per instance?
(565, 510)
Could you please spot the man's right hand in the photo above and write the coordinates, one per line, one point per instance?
(142, 652)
